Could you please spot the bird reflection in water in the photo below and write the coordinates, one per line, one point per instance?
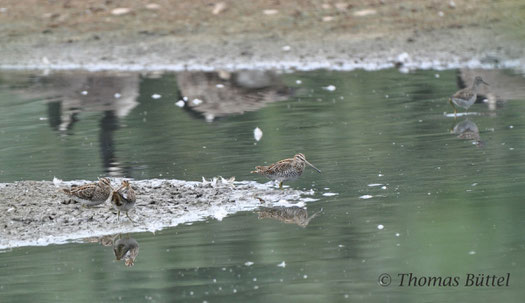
(126, 249)
(289, 215)
(219, 94)
(69, 94)
(468, 130)
(104, 240)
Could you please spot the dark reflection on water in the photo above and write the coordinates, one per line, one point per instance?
(290, 215)
(114, 95)
(104, 240)
(68, 94)
(218, 94)
(124, 247)
(400, 191)
(468, 130)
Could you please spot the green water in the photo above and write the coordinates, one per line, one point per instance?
(448, 206)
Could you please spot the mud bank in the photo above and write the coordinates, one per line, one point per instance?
(303, 35)
(38, 213)
(441, 49)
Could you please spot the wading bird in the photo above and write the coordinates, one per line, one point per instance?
(285, 170)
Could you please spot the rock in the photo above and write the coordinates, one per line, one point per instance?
(270, 11)
(218, 8)
(342, 6)
(120, 11)
(152, 6)
(365, 12)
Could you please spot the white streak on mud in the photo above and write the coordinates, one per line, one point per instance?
(369, 65)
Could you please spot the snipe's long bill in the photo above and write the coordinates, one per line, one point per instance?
(285, 170)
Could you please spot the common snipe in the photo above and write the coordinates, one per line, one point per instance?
(123, 199)
(285, 170)
(466, 97)
(92, 193)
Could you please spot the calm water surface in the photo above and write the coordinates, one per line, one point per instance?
(444, 196)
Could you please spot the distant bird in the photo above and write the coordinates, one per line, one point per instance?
(127, 249)
(285, 170)
(91, 194)
(466, 97)
(123, 199)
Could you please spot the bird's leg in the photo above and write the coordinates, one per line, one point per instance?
(281, 185)
(455, 110)
(129, 217)
(118, 215)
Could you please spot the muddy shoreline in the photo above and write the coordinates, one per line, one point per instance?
(440, 49)
(38, 213)
(183, 35)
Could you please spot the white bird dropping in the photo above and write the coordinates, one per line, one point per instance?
(257, 134)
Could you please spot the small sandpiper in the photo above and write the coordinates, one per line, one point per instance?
(123, 199)
(466, 97)
(285, 170)
(91, 194)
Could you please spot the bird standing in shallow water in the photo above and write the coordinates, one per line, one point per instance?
(123, 199)
(91, 194)
(285, 170)
(466, 97)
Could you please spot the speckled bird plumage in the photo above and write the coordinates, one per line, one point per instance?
(91, 194)
(466, 97)
(127, 249)
(123, 198)
(285, 170)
